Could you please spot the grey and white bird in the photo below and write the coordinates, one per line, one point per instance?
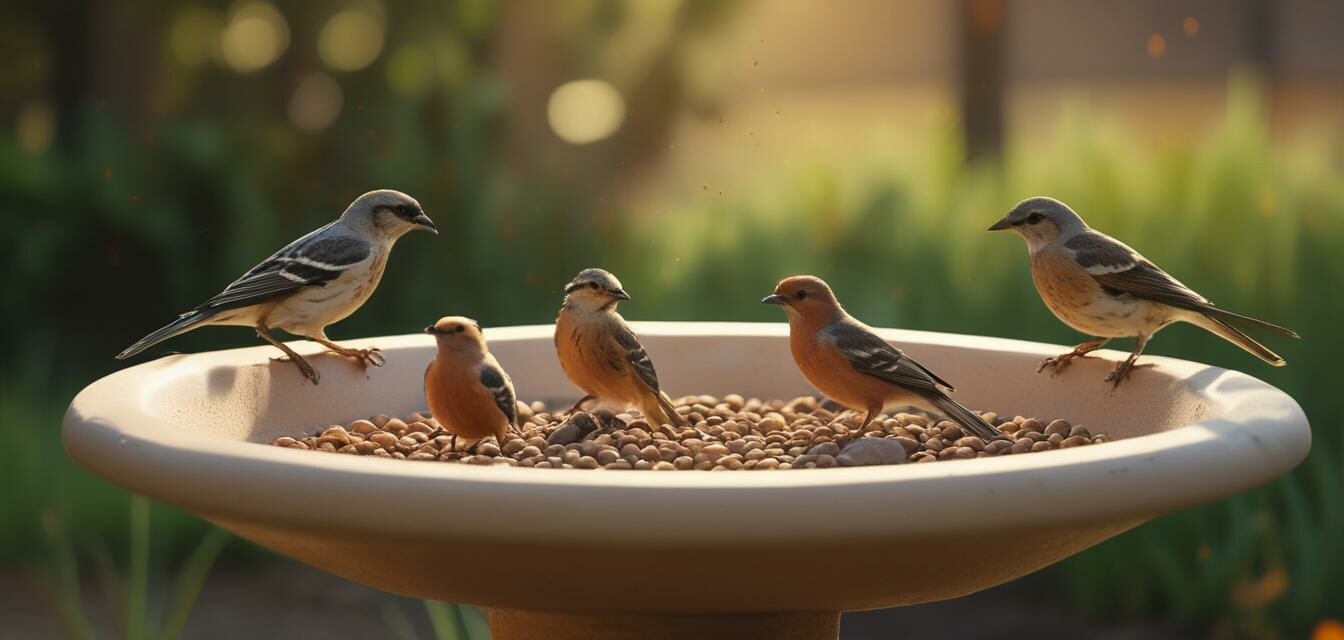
(315, 281)
(1101, 287)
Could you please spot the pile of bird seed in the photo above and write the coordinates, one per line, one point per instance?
(723, 434)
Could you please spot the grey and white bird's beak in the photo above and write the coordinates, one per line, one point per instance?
(1002, 224)
(424, 221)
(619, 294)
(431, 330)
(773, 298)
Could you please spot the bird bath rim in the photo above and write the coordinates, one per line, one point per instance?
(167, 429)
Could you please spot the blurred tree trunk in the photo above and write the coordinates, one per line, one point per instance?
(982, 70)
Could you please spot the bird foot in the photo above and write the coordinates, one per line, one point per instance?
(305, 368)
(1061, 361)
(1122, 371)
(372, 356)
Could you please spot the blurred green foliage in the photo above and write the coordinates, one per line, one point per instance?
(128, 219)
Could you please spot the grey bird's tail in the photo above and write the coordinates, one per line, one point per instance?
(1223, 317)
(964, 417)
(673, 417)
(183, 324)
(1235, 336)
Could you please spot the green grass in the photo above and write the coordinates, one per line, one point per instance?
(1255, 224)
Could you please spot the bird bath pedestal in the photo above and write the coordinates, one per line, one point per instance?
(635, 554)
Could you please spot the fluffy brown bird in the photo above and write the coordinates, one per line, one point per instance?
(602, 356)
(850, 364)
(468, 393)
(1101, 287)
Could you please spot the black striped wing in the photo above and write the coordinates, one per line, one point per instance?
(313, 260)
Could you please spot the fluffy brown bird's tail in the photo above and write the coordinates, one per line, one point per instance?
(1235, 336)
(964, 417)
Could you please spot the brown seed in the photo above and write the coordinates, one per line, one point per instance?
(951, 432)
(964, 452)
(364, 427)
(973, 442)
(1040, 446)
(1080, 430)
(1056, 426)
(618, 464)
(1074, 441)
(1055, 438)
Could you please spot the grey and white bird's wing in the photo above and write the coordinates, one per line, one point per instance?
(312, 260)
(632, 354)
(872, 355)
(494, 379)
(1121, 270)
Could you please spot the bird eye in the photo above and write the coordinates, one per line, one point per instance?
(592, 285)
(1035, 217)
(461, 328)
(801, 295)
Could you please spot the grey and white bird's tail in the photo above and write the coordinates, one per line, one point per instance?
(188, 321)
(1235, 336)
(964, 417)
(1227, 316)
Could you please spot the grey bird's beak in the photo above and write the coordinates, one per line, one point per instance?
(424, 221)
(620, 294)
(430, 330)
(773, 298)
(1002, 224)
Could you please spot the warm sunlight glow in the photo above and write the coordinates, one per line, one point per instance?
(585, 111)
(255, 36)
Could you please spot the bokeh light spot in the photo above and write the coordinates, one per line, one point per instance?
(194, 35)
(316, 102)
(35, 127)
(1190, 26)
(1157, 46)
(255, 36)
(351, 39)
(585, 111)
(409, 70)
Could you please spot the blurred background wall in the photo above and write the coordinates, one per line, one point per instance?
(152, 151)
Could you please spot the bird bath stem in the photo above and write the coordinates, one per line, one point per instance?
(614, 554)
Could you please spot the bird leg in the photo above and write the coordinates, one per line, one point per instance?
(1122, 370)
(298, 360)
(873, 412)
(578, 405)
(371, 356)
(1080, 351)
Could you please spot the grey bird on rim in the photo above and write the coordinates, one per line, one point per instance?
(315, 281)
(1101, 287)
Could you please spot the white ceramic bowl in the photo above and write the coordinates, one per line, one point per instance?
(604, 550)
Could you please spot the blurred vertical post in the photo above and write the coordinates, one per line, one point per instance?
(982, 66)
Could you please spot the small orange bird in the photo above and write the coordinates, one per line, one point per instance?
(468, 392)
(850, 364)
(601, 355)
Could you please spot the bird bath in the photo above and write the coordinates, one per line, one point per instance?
(615, 554)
